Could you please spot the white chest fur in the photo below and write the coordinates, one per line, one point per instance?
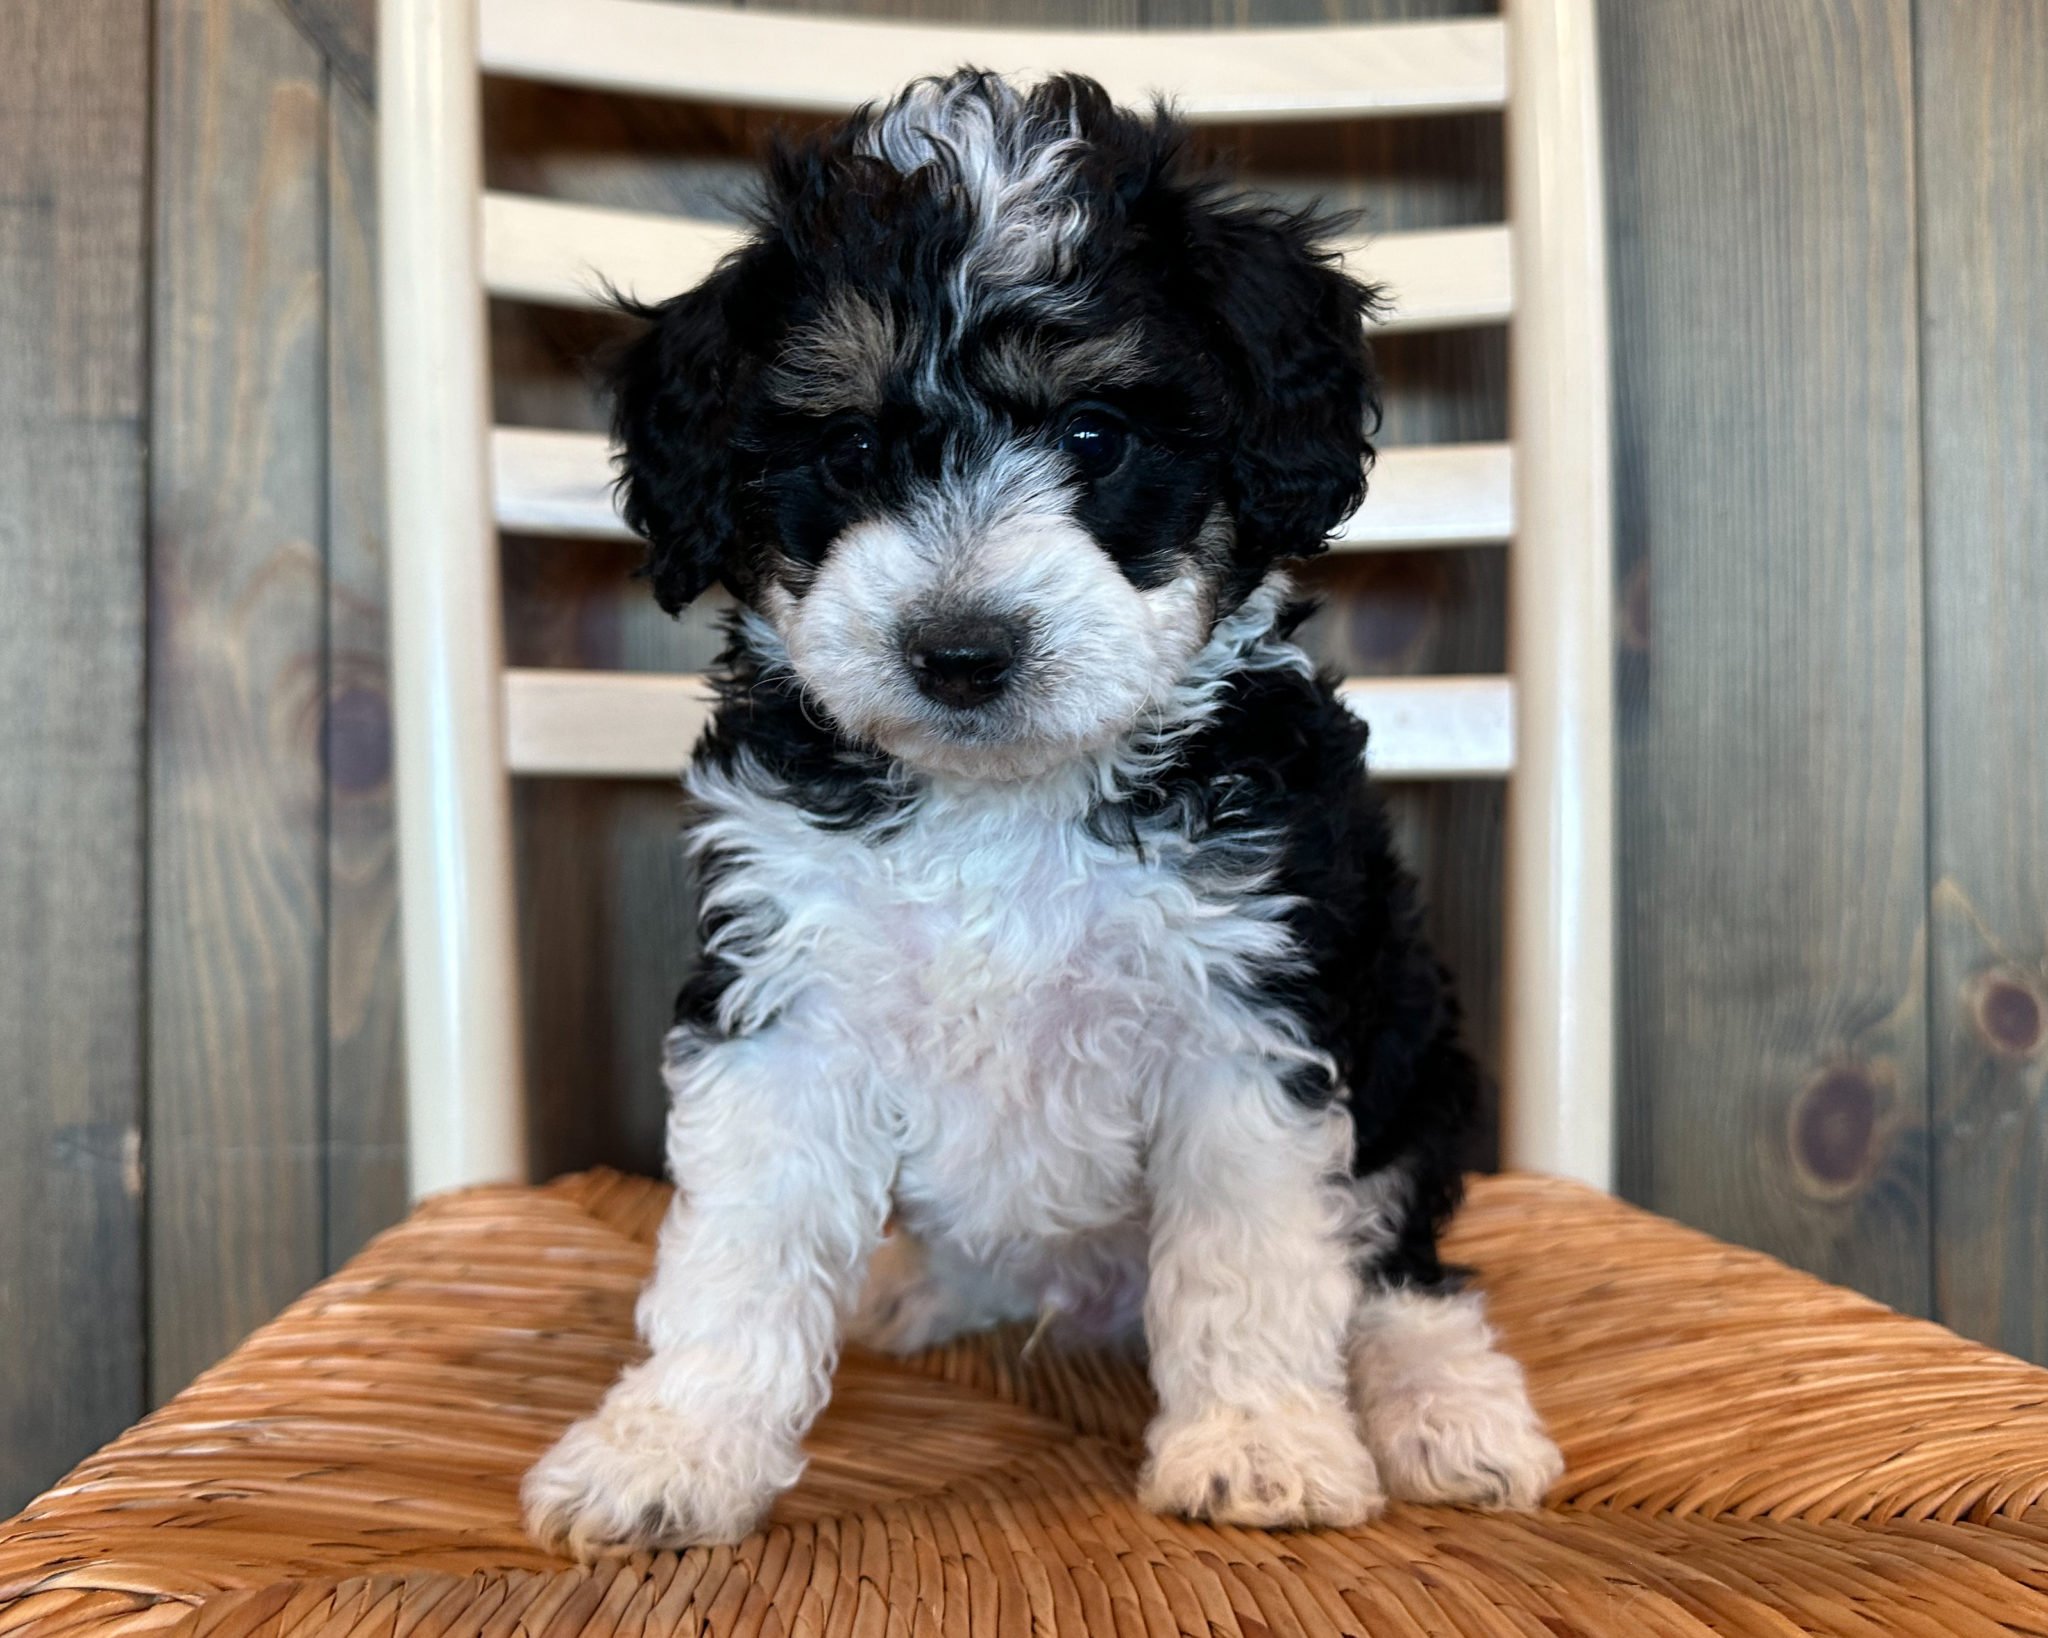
(1013, 994)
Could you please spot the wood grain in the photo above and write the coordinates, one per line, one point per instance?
(365, 1133)
(1774, 1053)
(74, 145)
(1982, 78)
(237, 1034)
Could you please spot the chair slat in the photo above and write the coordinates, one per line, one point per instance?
(559, 483)
(762, 60)
(635, 725)
(546, 250)
(1435, 495)
(1437, 727)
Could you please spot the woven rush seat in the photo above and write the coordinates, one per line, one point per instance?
(1751, 1451)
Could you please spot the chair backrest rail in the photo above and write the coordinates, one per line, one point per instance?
(560, 483)
(830, 65)
(627, 725)
(549, 251)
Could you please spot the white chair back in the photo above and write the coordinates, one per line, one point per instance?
(466, 725)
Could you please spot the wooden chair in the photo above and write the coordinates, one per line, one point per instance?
(1749, 1451)
(465, 723)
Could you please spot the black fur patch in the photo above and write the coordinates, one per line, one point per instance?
(1278, 780)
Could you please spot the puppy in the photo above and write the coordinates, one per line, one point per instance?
(1045, 905)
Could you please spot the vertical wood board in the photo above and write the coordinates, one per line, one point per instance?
(1983, 99)
(365, 1132)
(1774, 1057)
(237, 1038)
(74, 153)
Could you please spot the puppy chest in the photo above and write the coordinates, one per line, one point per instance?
(1016, 992)
(1024, 960)
(1022, 996)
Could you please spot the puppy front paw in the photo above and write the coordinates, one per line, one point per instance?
(1462, 1443)
(1445, 1413)
(636, 1474)
(1278, 1468)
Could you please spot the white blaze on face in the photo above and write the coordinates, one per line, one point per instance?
(1016, 174)
(1098, 652)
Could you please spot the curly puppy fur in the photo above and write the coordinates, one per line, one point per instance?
(1046, 907)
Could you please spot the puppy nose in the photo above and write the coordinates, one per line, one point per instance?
(962, 660)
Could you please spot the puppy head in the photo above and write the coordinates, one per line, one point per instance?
(1000, 408)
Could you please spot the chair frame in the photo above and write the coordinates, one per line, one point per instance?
(465, 726)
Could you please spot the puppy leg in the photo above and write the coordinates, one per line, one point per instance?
(1445, 1413)
(920, 1294)
(1249, 1303)
(782, 1189)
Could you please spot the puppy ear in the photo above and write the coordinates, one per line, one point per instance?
(674, 392)
(1308, 396)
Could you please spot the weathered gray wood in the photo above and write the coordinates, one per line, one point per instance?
(237, 851)
(74, 144)
(1772, 837)
(365, 1136)
(1982, 78)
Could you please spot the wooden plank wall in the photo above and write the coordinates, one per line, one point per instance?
(237, 662)
(275, 1144)
(1982, 68)
(1830, 258)
(74, 149)
(1772, 761)
(365, 1133)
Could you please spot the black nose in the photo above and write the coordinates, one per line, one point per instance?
(962, 660)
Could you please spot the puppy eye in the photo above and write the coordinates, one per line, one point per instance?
(846, 455)
(1096, 440)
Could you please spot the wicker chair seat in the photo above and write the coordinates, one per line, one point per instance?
(1751, 1451)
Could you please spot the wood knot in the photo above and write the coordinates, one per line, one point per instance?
(1836, 1127)
(2009, 1015)
(359, 740)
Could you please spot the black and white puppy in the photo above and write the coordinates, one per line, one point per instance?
(1045, 903)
